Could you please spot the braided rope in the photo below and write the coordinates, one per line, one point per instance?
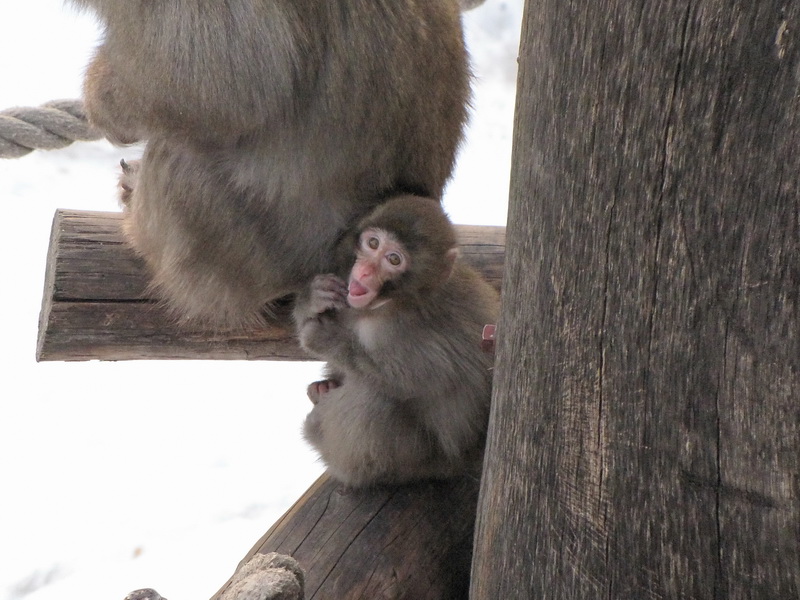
(51, 126)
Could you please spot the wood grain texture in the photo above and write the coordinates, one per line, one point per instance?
(96, 303)
(645, 433)
(412, 542)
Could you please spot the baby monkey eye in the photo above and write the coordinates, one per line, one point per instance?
(373, 243)
(394, 259)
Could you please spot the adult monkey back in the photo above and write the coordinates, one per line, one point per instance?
(271, 125)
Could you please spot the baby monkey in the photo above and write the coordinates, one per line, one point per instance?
(407, 387)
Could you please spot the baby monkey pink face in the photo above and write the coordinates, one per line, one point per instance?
(379, 258)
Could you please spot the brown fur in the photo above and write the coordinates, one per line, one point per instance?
(408, 389)
(271, 126)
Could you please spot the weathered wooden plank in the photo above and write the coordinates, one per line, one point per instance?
(412, 542)
(96, 302)
(645, 432)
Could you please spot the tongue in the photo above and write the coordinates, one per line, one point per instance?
(356, 289)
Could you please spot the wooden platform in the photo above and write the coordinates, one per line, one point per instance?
(96, 304)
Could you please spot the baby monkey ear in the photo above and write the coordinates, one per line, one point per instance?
(449, 262)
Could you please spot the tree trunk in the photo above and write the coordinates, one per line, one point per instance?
(645, 433)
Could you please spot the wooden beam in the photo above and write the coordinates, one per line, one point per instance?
(413, 541)
(96, 304)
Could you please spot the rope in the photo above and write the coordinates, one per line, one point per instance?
(264, 577)
(53, 125)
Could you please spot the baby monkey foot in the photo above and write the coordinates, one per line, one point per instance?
(127, 180)
(319, 388)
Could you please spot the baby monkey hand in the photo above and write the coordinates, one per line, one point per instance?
(328, 293)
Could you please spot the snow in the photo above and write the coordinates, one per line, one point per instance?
(118, 476)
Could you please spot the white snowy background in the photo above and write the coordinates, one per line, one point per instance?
(163, 474)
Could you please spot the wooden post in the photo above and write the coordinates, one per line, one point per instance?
(645, 433)
(96, 304)
(412, 542)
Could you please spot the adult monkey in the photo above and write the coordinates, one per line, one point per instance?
(271, 126)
